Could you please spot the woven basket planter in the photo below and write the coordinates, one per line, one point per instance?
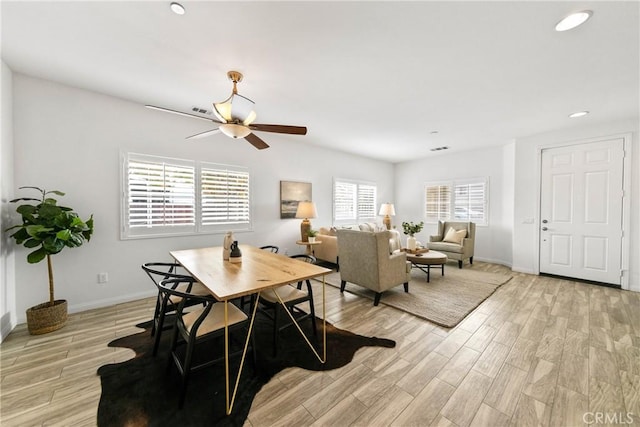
(43, 318)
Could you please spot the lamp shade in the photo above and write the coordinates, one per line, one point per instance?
(235, 131)
(306, 210)
(236, 108)
(387, 209)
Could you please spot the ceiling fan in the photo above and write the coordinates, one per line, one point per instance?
(235, 116)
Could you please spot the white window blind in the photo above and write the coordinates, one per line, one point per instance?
(470, 202)
(462, 200)
(437, 202)
(353, 201)
(160, 195)
(225, 196)
(344, 201)
(165, 196)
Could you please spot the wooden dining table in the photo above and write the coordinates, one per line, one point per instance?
(259, 270)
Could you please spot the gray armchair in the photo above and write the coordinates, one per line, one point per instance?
(365, 260)
(456, 251)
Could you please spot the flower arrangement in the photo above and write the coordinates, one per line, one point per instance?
(410, 228)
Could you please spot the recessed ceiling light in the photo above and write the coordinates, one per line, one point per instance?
(578, 114)
(177, 8)
(573, 20)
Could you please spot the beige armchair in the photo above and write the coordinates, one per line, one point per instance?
(365, 260)
(457, 251)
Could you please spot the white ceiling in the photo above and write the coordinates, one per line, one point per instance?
(372, 78)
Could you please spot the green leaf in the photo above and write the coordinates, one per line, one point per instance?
(36, 230)
(49, 211)
(75, 240)
(36, 256)
(32, 243)
(64, 234)
(59, 193)
(26, 210)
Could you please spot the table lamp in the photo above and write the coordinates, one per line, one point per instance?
(388, 211)
(306, 210)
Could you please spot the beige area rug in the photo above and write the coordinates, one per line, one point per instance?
(445, 301)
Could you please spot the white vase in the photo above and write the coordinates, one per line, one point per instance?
(312, 239)
(226, 245)
(411, 243)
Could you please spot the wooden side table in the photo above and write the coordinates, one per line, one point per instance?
(309, 245)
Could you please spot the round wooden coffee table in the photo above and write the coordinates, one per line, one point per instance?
(427, 259)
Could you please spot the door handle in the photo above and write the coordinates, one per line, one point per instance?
(544, 228)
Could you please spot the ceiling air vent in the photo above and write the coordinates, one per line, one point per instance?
(201, 110)
(439, 148)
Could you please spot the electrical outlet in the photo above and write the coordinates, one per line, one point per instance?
(103, 277)
(286, 251)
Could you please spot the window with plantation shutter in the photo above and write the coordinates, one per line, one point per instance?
(344, 201)
(160, 195)
(470, 202)
(437, 202)
(462, 200)
(225, 196)
(353, 201)
(166, 196)
(366, 202)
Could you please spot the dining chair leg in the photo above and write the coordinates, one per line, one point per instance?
(172, 348)
(158, 334)
(156, 313)
(276, 330)
(186, 368)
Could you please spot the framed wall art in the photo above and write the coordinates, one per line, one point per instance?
(291, 193)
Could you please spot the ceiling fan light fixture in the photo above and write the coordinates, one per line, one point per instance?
(572, 21)
(234, 131)
(236, 108)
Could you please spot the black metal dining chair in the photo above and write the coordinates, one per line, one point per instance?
(271, 248)
(291, 296)
(166, 304)
(198, 325)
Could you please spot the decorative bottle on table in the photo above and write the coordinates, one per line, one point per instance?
(236, 254)
(226, 246)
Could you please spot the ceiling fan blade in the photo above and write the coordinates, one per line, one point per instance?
(293, 130)
(256, 141)
(203, 134)
(180, 113)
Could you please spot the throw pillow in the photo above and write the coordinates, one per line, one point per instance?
(367, 226)
(455, 236)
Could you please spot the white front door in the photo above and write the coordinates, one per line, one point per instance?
(581, 211)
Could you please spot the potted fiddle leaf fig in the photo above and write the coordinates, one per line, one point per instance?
(48, 228)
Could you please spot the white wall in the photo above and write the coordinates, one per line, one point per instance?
(525, 246)
(70, 140)
(493, 242)
(7, 264)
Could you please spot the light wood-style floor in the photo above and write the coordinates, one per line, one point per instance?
(539, 351)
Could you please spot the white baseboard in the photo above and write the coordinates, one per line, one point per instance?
(493, 261)
(5, 330)
(524, 270)
(76, 308)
